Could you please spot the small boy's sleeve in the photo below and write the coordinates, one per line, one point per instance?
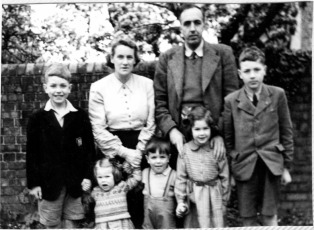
(32, 152)
(181, 181)
(285, 130)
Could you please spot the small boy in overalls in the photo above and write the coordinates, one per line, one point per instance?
(159, 179)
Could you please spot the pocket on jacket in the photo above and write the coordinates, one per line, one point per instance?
(280, 148)
(234, 155)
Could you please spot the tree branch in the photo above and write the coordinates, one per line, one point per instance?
(260, 29)
(233, 27)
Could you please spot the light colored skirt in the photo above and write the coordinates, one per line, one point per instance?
(205, 207)
(117, 224)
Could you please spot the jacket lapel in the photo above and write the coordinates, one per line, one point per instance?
(264, 100)
(209, 65)
(244, 103)
(177, 71)
(51, 119)
(68, 119)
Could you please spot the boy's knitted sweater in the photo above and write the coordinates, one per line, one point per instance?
(112, 205)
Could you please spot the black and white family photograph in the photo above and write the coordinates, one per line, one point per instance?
(156, 115)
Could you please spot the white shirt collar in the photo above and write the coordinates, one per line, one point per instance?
(199, 50)
(118, 85)
(250, 95)
(69, 107)
(164, 173)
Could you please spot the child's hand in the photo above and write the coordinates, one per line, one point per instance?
(285, 177)
(181, 210)
(86, 184)
(36, 192)
(232, 181)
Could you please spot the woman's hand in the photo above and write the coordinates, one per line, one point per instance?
(36, 192)
(134, 157)
(86, 184)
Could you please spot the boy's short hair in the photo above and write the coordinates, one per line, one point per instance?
(109, 163)
(157, 143)
(199, 113)
(252, 54)
(124, 42)
(58, 70)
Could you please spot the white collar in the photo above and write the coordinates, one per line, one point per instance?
(117, 85)
(164, 173)
(68, 107)
(199, 50)
(250, 95)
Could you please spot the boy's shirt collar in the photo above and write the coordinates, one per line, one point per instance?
(250, 95)
(69, 107)
(164, 173)
(199, 50)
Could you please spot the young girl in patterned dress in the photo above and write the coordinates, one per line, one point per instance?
(111, 210)
(202, 182)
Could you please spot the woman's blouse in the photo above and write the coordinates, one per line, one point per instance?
(199, 165)
(114, 106)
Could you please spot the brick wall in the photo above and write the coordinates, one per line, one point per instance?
(22, 92)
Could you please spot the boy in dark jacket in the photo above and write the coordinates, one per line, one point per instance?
(59, 153)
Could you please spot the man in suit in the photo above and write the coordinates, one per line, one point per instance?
(259, 140)
(197, 73)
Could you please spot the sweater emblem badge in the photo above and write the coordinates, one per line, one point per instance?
(79, 141)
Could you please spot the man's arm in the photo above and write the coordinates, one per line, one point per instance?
(228, 126)
(163, 117)
(229, 75)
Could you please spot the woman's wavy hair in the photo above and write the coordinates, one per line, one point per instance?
(199, 113)
(124, 42)
(110, 163)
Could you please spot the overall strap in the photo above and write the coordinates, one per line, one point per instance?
(170, 179)
(148, 182)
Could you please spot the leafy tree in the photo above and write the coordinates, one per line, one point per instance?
(19, 42)
(69, 34)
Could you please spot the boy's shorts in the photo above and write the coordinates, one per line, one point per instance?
(261, 193)
(65, 207)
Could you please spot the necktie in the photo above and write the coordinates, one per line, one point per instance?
(193, 57)
(255, 101)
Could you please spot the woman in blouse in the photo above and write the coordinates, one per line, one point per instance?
(121, 110)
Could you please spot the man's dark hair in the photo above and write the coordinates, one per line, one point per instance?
(187, 6)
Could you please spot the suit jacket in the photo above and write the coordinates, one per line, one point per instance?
(265, 131)
(59, 156)
(219, 78)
